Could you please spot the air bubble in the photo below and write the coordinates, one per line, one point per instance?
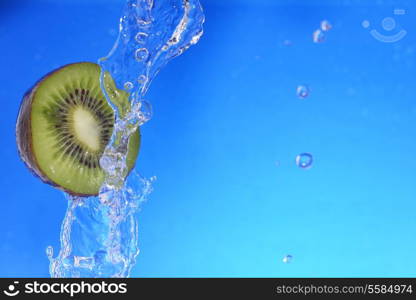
(325, 25)
(142, 54)
(142, 79)
(141, 37)
(304, 160)
(128, 85)
(287, 259)
(302, 91)
(318, 36)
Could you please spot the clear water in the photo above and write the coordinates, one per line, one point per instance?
(99, 235)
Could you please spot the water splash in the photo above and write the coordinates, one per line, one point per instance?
(99, 235)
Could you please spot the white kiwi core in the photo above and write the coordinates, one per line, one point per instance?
(87, 128)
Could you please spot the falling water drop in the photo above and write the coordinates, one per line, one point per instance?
(325, 25)
(304, 160)
(302, 91)
(318, 36)
(287, 259)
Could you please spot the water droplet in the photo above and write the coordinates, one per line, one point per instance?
(287, 259)
(128, 85)
(318, 36)
(302, 91)
(304, 160)
(142, 79)
(142, 54)
(141, 37)
(325, 25)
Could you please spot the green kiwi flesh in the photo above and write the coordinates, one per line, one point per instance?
(64, 125)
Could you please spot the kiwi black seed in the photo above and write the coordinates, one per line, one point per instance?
(64, 125)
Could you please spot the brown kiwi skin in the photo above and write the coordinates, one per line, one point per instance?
(24, 135)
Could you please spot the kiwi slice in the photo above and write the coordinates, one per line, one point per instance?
(64, 125)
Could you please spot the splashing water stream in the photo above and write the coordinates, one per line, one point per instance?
(99, 235)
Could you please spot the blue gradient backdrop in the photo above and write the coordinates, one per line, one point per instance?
(227, 126)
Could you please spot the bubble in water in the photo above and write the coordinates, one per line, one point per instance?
(302, 91)
(318, 36)
(142, 54)
(325, 25)
(142, 79)
(141, 37)
(287, 259)
(128, 85)
(304, 160)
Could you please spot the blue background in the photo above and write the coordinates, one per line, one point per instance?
(227, 126)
